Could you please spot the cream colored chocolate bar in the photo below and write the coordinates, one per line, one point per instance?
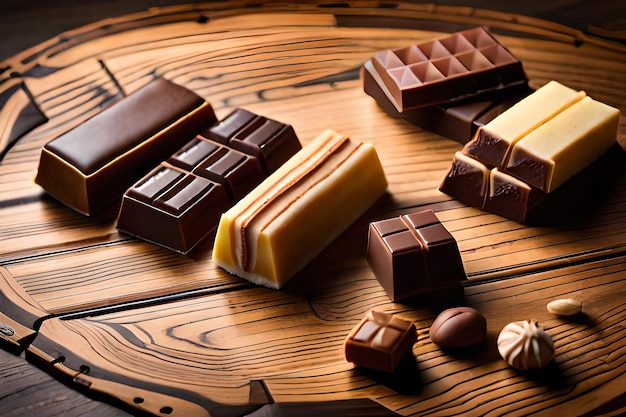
(493, 142)
(570, 141)
(297, 211)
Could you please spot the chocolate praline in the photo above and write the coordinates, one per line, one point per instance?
(458, 327)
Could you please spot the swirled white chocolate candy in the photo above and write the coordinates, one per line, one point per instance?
(524, 345)
(298, 210)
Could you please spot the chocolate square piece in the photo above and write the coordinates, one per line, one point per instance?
(380, 341)
(413, 254)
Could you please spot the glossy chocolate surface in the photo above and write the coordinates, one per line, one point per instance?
(462, 65)
(180, 202)
(272, 142)
(93, 164)
(413, 254)
(380, 341)
(458, 327)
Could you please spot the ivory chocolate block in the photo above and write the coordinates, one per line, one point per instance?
(456, 67)
(181, 201)
(570, 141)
(413, 254)
(92, 165)
(380, 341)
(275, 230)
(494, 141)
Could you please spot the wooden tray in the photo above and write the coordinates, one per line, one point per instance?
(120, 317)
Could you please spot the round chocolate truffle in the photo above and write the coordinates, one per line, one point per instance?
(525, 345)
(458, 327)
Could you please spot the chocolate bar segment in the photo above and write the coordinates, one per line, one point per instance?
(555, 151)
(172, 208)
(462, 65)
(457, 121)
(494, 141)
(92, 165)
(181, 201)
(413, 254)
(380, 341)
(272, 142)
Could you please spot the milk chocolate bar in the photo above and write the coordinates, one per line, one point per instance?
(92, 165)
(456, 67)
(181, 201)
(302, 207)
(413, 254)
(380, 341)
(457, 121)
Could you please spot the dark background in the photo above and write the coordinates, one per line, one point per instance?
(26, 23)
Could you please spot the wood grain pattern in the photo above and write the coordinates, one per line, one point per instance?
(134, 321)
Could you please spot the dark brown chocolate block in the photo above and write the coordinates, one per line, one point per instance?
(270, 141)
(380, 341)
(458, 121)
(413, 254)
(181, 201)
(462, 65)
(172, 208)
(472, 183)
(92, 165)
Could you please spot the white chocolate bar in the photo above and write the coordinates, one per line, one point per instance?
(516, 122)
(555, 151)
(295, 213)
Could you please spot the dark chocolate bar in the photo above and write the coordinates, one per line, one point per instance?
(413, 254)
(92, 165)
(181, 201)
(458, 121)
(270, 141)
(380, 341)
(462, 65)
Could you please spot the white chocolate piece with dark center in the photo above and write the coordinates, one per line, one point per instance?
(524, 345)
(570, 141)
(294, 214)
(493, 142)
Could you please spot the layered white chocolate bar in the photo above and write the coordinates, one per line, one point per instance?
(493, 142)
(295, 213)
(570, 141)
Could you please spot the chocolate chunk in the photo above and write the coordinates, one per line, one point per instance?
(92, 165)
(413, 254)
(458, 327)
(380, 341)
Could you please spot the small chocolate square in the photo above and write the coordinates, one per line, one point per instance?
(413, 254)
(380, 341)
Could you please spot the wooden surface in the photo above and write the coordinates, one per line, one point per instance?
(148, 330)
